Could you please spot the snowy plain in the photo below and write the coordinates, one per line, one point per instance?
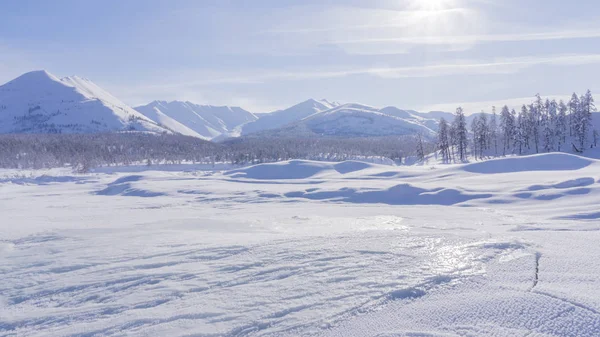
(505, 247)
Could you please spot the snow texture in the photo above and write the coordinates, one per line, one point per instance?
(500, 248)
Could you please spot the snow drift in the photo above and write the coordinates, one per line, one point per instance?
(540, 162)
(297, 169)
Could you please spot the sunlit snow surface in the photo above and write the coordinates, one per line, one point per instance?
(304, 248)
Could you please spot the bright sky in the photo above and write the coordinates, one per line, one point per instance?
(269, 54)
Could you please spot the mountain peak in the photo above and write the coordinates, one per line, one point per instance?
(39, 102)
(34, 78)
(315, 103)
(206, 121)
(38, 73)
(329, 103)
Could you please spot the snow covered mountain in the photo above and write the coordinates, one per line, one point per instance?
(347, 120)
(39, 102)
(205, 121)
(361, 120)
(290, 115)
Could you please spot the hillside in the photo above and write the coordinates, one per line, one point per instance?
(287, 116)
(205, 121)
(361, 120)
(39, 102)
(355, 120)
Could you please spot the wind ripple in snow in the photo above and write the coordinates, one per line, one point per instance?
(181, 286)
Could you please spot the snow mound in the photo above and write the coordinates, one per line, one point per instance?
(294, 169)
(351, 166)
(124, 187)
(540, 162)
(297, 169)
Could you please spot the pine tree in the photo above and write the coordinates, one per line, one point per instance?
(584, 118)
(545, 125)
(480, 131)
(507, 128)
(548, 125)
(420, 148)
(460, 132)
(535, 121)
(484, 129)
(522, 130)
(444, 141)
(494, 131)
(561, 125)
(475, 132)
(573, 110)
(526, 126)
(548, 133)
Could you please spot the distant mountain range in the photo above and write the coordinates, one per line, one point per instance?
(311, 118)
(39, 102)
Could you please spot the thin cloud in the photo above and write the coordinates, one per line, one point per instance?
(499, 66)
(175, 86)
(467, 39)
(402, 19)
(486, 106)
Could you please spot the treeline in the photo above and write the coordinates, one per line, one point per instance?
(542, 126)
(252, 149)
(85, 151)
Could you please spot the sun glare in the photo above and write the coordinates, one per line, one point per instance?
(433, 5)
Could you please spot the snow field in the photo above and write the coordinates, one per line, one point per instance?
(304, 248)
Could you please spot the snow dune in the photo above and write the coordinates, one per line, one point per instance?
(297, 169)
(124, 187)
(540, 162)
(403, 194)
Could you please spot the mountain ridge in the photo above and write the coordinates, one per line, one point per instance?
(40, 102)
(207, 121)
(350, 120)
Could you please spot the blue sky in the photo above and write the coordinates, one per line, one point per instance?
(269, 54)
